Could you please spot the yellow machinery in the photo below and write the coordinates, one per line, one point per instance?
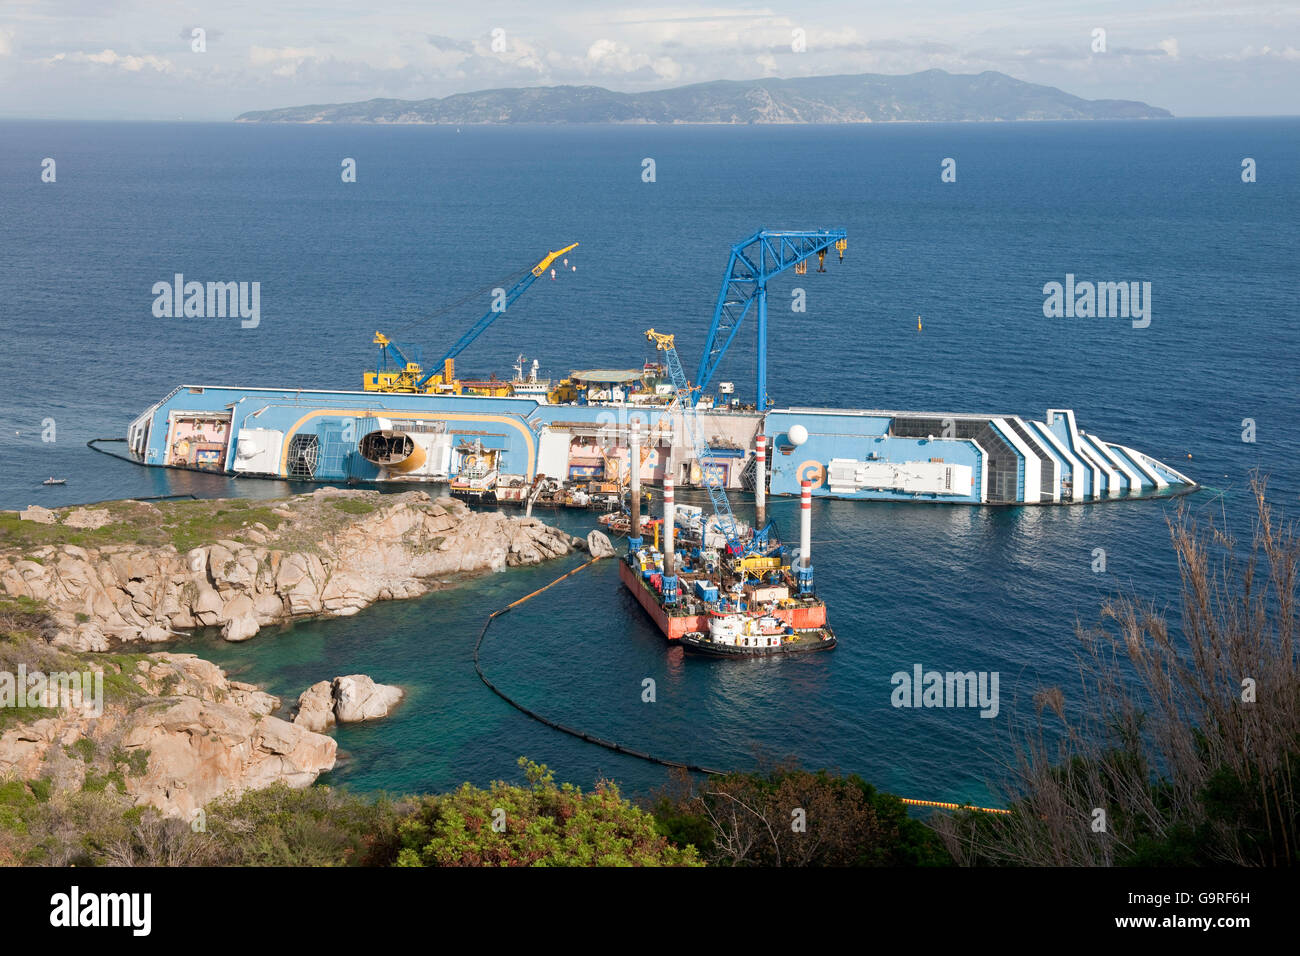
(399, 372)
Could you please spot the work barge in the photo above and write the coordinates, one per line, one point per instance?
(720, 587)
(527, 439)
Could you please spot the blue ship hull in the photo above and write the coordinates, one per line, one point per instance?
(497, 447)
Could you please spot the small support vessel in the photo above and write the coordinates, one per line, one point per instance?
(728, 602)
(477, 475)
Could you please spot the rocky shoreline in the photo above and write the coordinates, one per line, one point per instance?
(80, 588)
(311, 564)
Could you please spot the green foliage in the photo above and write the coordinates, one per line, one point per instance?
(22, 617)
(355, 506)
(40, 789)
(682, 827)
(136, 760)
(792, 817)
(537, 825)
(15, 793)
(12, 716)
(84, 748)
(15, 799)
(119, 676)
(193, 524)
(98, 782)
(317, 826)
(1232, 822)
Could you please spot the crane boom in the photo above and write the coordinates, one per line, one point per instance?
(400, 368)
(445, 366)
(703, 455)
(765, 254)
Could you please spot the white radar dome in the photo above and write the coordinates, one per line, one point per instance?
(798, 434)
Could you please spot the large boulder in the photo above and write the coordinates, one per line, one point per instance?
(240, 618)
(89, 518)
(316, 707)
(37, 513)
(200, 750)
(599, 545)
(357, 698)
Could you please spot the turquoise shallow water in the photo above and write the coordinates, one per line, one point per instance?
(579, 652)
(436, 214)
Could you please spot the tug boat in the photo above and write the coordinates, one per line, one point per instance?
(477, 476)
(738, 635)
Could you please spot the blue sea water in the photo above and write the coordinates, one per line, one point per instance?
(437, 213)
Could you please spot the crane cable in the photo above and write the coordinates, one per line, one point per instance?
(502, 283)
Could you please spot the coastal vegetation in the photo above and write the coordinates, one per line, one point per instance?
(1181, 745)
(540, 824)
(182, 524)
(788, 816)
(738, 820)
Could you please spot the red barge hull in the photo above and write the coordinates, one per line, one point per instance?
(673, 626)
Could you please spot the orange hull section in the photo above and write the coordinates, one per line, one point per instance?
(674, 626)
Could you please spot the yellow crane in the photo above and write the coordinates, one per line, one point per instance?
(398, 372)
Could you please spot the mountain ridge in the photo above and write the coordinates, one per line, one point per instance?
(928, 96)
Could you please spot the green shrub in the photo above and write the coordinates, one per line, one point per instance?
(136, 760)
(316, 826)
(747, 819)
(538, 825)
(84, 748)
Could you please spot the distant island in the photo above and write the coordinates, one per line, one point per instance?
(929, 96)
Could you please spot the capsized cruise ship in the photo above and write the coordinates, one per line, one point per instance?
(482, 445)
(510, 440)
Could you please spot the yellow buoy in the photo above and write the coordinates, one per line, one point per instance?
(918, 323)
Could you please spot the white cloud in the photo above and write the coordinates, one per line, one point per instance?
(1260, 53)
(124, 61)
(1170, 47)
(610, 56)
(261, 55)
(6, 41)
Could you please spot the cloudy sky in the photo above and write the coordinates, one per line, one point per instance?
(134, 59)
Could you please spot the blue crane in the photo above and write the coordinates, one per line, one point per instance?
(695, 432)
(765, 254)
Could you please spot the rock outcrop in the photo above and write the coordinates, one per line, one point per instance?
(88, 518)
(178, 733)
(599, 545)
(316, 707)
(345, 700)
(319, 561)
(357, 698)
(192, 736)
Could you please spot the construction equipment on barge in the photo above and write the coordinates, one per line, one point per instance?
(743, 599)
(755, 602)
